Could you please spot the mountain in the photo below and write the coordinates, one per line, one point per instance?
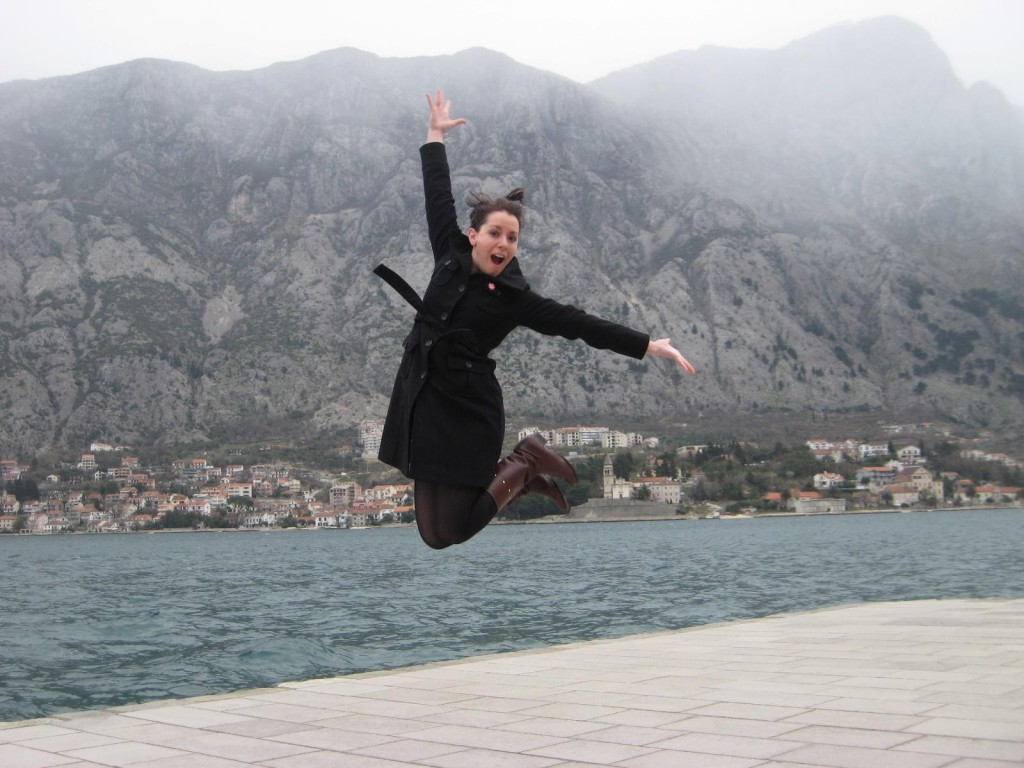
(186, 255)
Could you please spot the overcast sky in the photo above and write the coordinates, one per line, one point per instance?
(580, 40)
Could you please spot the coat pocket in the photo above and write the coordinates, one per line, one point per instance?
(469, 376)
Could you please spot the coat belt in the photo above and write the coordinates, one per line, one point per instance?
(405, 290)
(463, 337)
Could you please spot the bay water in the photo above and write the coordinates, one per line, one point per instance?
(90, 621)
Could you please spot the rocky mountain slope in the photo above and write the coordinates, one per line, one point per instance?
(833, 225)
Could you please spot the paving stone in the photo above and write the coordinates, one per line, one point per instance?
(987, 748)
(832, 756)
(850, 737)
(122, 753)
(974, 729)
(598, 752)
(477, 758)
(737, 746)
(25, 757)
(16, 733)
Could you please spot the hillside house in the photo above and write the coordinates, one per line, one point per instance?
(825, 480)
(903, 495)
(345, 494)
(875, 477)
(909, 455)
(664, 490)
(923, 480)
(326, 518)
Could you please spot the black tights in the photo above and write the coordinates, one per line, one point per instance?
(451, 514)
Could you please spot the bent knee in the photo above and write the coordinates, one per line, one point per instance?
(435, 540)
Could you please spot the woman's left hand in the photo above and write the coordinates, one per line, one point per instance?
(664, 348)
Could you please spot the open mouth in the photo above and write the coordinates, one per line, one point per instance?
(497, 260)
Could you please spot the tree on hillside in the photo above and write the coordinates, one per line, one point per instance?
(23, 489)
(624, 465)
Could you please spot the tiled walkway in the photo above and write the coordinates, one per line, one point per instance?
(884, 685)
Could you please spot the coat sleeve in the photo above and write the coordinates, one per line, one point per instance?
(442, 222)
(553, 319)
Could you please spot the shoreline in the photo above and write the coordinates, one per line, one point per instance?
(762, 516)
(547, 520)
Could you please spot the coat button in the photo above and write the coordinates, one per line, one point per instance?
(462, 288)
(423, 375)
(469, 364)
(430, 342)
(444, 315)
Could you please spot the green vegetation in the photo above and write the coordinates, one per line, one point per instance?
(982, 301)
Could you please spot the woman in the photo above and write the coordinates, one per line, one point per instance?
(446, 420)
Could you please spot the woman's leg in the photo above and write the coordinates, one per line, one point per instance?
(425, 506)
(451, 514)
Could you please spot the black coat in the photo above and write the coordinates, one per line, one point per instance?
(446, 419)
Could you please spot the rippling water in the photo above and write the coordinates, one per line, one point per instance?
(95, 621)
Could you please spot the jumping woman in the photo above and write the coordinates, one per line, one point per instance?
(446, 420)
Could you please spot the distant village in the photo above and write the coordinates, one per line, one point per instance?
(902, 481)
(109, 491)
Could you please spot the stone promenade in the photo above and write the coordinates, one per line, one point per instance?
(924, 684)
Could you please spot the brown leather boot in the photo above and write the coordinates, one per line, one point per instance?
(543, 485)
(506, 478)
(524, 471)
(543, 460)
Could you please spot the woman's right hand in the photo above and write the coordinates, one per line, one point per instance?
(664, 348)
(440, 120)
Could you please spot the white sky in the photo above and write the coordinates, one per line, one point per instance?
(578, 39)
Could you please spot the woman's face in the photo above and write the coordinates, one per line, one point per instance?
(495, 243)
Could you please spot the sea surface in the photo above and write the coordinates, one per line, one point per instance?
(90, 621)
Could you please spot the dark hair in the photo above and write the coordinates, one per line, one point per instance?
(481, 206)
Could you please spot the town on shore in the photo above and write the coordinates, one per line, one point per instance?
(107, 488)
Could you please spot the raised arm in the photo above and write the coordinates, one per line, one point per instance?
(442, 222)
(440, 120)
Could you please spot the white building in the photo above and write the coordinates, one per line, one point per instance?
(369, 436)
(875, 476)
(611, 439)
(238, 489)
(345, 494)
(820, 445)
(868, 450)
(615, 487)
(826, 480)
(664, 490)
(569, 437)
(909, 455)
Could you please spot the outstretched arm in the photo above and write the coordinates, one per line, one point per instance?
(664, 348)
(440, 120)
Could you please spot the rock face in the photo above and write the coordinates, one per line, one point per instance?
(837, 224)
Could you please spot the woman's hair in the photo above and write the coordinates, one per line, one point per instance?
(481, 206)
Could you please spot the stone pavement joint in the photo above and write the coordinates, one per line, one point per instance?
(923, 684)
